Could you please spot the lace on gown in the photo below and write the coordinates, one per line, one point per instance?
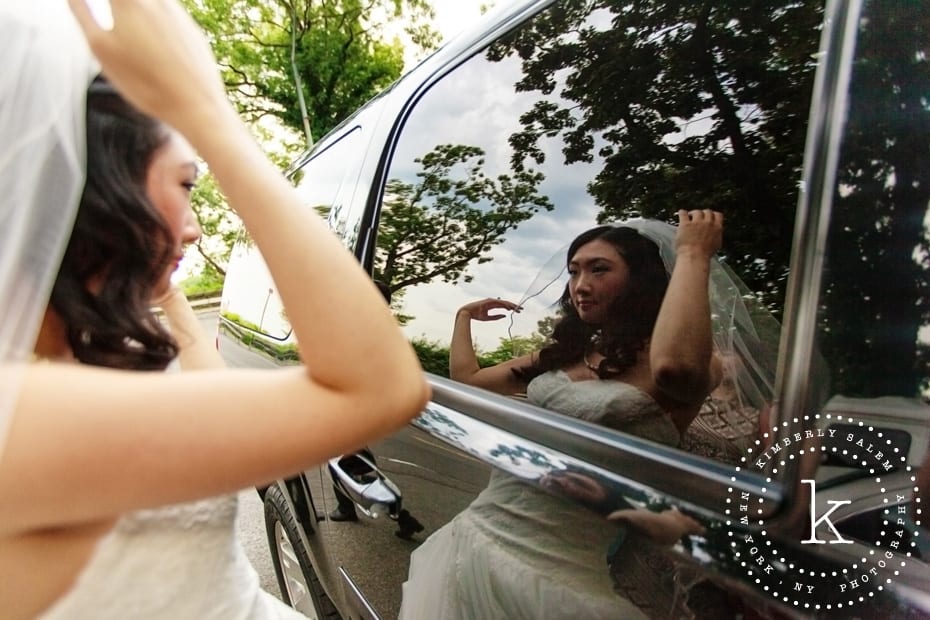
(181, 561)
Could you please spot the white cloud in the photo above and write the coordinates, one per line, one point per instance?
(452, 16)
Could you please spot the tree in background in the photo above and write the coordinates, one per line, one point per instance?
(218, 231)
(326, 57)
(299, 67)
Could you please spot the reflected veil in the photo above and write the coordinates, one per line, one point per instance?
(745, 334)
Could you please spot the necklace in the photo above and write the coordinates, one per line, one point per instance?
(595, 340)
(591, 367)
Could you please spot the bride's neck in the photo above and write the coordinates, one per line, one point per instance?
(52, 341)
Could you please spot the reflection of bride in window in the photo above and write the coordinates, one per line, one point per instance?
(636, 349)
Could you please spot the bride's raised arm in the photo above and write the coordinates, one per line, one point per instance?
(98, 442)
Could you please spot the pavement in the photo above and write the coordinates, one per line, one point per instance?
(251, 526)
(206, 303)
(251, 517)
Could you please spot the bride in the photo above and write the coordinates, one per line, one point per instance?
(118, 482)
(635, 349)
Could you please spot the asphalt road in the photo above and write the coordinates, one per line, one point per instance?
(251, 511)
(253, 539)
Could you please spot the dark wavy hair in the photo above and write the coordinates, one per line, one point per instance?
(632, 314)
(120, 237)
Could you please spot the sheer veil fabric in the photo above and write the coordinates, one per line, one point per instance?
(745, 333)
(47, 69)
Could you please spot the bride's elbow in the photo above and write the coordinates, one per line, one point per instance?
(684, 383)
(405, 395)
(417, 395)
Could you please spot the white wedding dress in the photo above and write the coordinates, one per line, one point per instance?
(519, 552)
(180, 562)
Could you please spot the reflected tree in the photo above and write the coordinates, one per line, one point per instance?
(450, 217)
(441, 425)
(688, 104)
(705, 104)
(521, 456)
(878, 249)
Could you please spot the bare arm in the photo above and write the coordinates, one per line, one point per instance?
(681, 352)
(463, 363)
(146, 439)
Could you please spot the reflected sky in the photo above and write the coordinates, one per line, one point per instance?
(486, 119)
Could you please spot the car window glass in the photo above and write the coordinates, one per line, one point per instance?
(324, 184)
(873, 334)
(589, 113)
(873, 327)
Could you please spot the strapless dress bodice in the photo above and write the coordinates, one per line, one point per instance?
(177, 562)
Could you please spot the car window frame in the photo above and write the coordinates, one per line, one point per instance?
(674, 470)
(826, 122)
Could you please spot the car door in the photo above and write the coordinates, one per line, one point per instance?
(550, 117)
(537, 129)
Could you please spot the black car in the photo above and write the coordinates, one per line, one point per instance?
(807, 124)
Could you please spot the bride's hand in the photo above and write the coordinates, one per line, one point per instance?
(662, 528)
(481, 310)
(158, 59)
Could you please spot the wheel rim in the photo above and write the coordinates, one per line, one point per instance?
(298, 590)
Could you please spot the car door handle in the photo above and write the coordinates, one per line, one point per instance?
(357, 476)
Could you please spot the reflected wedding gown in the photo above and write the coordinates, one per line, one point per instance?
(519, 552)
(179, 562)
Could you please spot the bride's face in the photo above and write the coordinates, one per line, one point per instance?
(597, 275)
(169, 181)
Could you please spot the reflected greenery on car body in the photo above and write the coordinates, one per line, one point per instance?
(808, 125)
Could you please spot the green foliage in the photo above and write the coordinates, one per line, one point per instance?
(238, 320)
(341, 57)
(207, 284)
(517, 346)
(397, 308)
(218, 224)
(510, 348)
(433, 356)
(251, 336)
(330, 55)
(450, 218)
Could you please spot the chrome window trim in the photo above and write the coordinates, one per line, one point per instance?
(698, 483)
(361, 604)
(794, 395)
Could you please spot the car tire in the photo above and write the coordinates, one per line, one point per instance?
(299, 584)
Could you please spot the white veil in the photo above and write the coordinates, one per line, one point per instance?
(43, 86)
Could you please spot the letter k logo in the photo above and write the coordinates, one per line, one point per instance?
(813, 540)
